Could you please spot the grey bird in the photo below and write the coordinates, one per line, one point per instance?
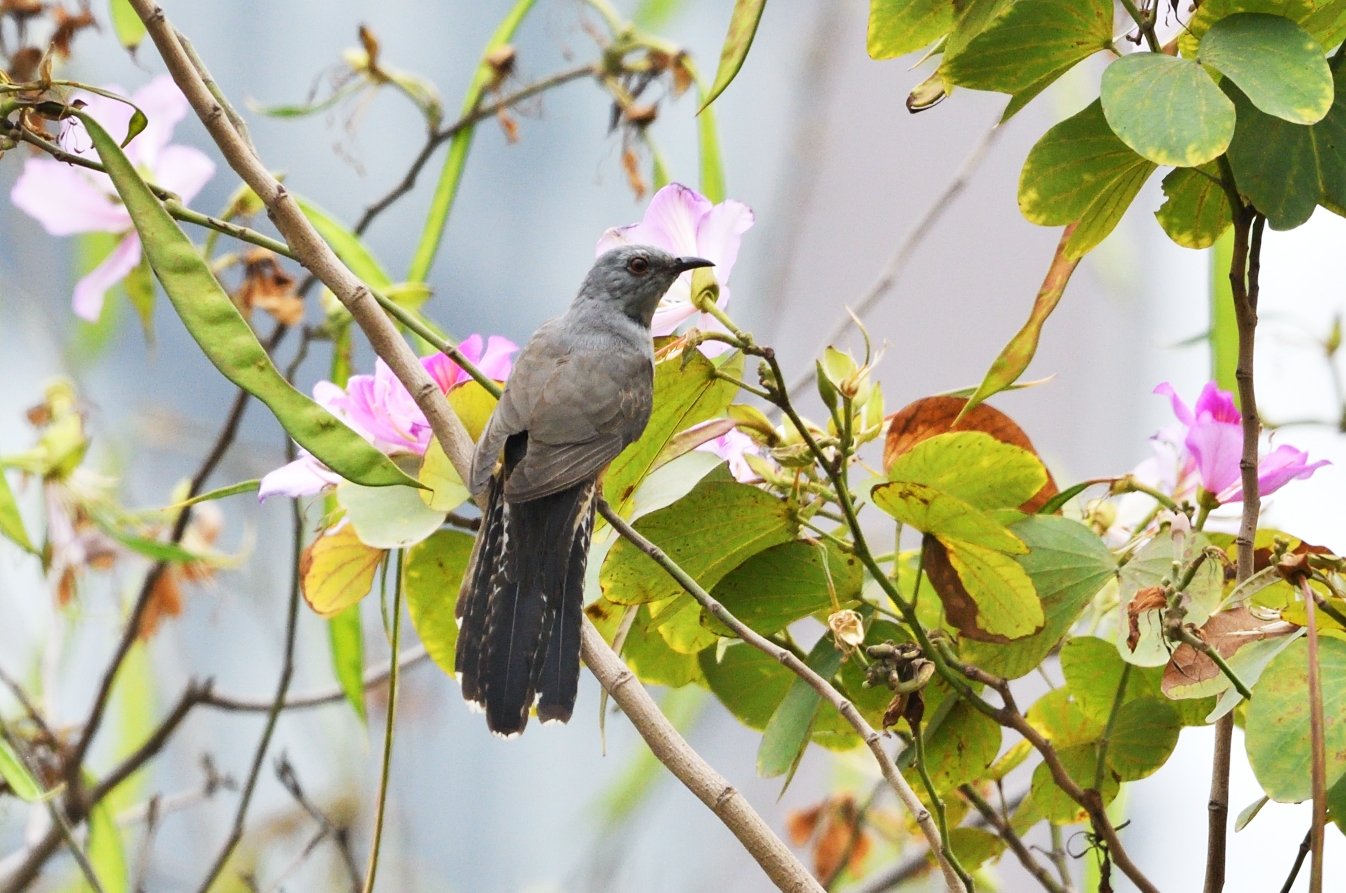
(580, 391)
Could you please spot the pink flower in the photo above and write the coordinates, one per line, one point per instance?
(1213, 444)
(67, 200)
(381, 411)
(683, 222)
(733, 446)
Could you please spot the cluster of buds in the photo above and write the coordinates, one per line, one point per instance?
(905, 670)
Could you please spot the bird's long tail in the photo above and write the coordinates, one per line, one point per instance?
(520, 607)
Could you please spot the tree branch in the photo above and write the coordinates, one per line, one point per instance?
(792, 662)
(711, 788)
(1012, 839)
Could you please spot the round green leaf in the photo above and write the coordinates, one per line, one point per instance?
(898, 27)
(1278, 720)
(388, 517)
(1058, 716)
(959, 749)
(431, 578)
(1032, 44)
(778, 586)
(748, 682)
(1167, 109)
(1093, 670)
(1143, 737)
(651, 658)
(1079, 762)
(1277, 64)
(973, 466)
(1196, 211)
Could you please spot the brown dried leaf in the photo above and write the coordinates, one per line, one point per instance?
(801, 823)
(931, 416)
(508, 125)
(682, 75)
(1226, 632)
(1149, 599)
(370, 42)
(67, 26)
(268, 288)
(165, 601)
(631, 164)
(23, 65)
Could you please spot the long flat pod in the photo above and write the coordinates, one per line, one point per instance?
(226, 338)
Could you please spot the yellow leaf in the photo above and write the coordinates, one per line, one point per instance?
(337, 570)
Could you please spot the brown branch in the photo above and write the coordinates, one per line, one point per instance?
(1299, 862)
(313, 252)
(331, 695)
(443, 135)
(872, 738)
(711, 788)
(1012, 839)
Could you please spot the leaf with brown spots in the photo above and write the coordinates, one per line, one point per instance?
(1226, 632)
(987, 595)
(930, 416)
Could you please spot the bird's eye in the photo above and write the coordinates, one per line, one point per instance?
(638, 265)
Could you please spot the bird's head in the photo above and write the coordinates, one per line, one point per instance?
(635, 277)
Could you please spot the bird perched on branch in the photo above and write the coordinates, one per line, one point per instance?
(580, 391)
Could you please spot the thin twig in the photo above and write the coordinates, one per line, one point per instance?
(1299, 861)
(385, 770)
(331, 695)
(282, 687)
(1318, 771)
(1011, 838)
(792, 662)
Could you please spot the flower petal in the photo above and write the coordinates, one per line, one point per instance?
(498, 359)
(732, 446)
(1283, 465)
(669, 315)
(1179, 408)
(670, 223)
(164, 106)
(183, 170)
(302, 477)
(719, 233)
(92, 289)
(1216, 447)
(66, 200)
(1218, 405)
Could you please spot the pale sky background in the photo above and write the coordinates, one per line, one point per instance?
(817, 141)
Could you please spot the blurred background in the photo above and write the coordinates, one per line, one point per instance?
(817, 140)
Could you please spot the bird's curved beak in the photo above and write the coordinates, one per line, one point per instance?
(683, 264)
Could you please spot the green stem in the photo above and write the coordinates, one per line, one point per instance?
(1129, 484)
(446, 190)
(396, 640)
(1187, 636)
(1144, 23)
(938, 805)
(418, 327)
(1100, 767)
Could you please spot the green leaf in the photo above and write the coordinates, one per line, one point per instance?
(1093, 670)
(972, 466)
(11, 522)
(388, 517)
(1208, 12)
(1195, 212)
(712, 165)
(1143, 737)
(1249, 812)
(1277, 64)
(225, 338)
(346, 637)
(1015, 356)
(991, 598)
(432, 577)
(1167, 109)
(346, 244)
(157, 550)
(749, 683)
(1059, 717)
(652, 659)
(139, 285)
(106, 853)
(973, 17)
(1080, 171)
(780, 585)
(1031, 45)
(742, 28)
(16, 775)
(1285, 169)
(1336, 803)
(129, 28)
(930, 511)
(678, 620)
(787, 732)
(898, 27)
(960, 749)
(684, 396)
(451, 175)
(1068, 565)
(974, 846)
(709, 532)
(1277, 726)
(1150, 565)
(1327, 22)
(1079, 762)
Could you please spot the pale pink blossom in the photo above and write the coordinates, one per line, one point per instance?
(733, 446)
(380, 409)
(684, 222)
(1212, 444)
(68, 200)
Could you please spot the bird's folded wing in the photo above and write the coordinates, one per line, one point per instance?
(549, 468)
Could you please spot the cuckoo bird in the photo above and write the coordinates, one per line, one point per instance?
(581, 390)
